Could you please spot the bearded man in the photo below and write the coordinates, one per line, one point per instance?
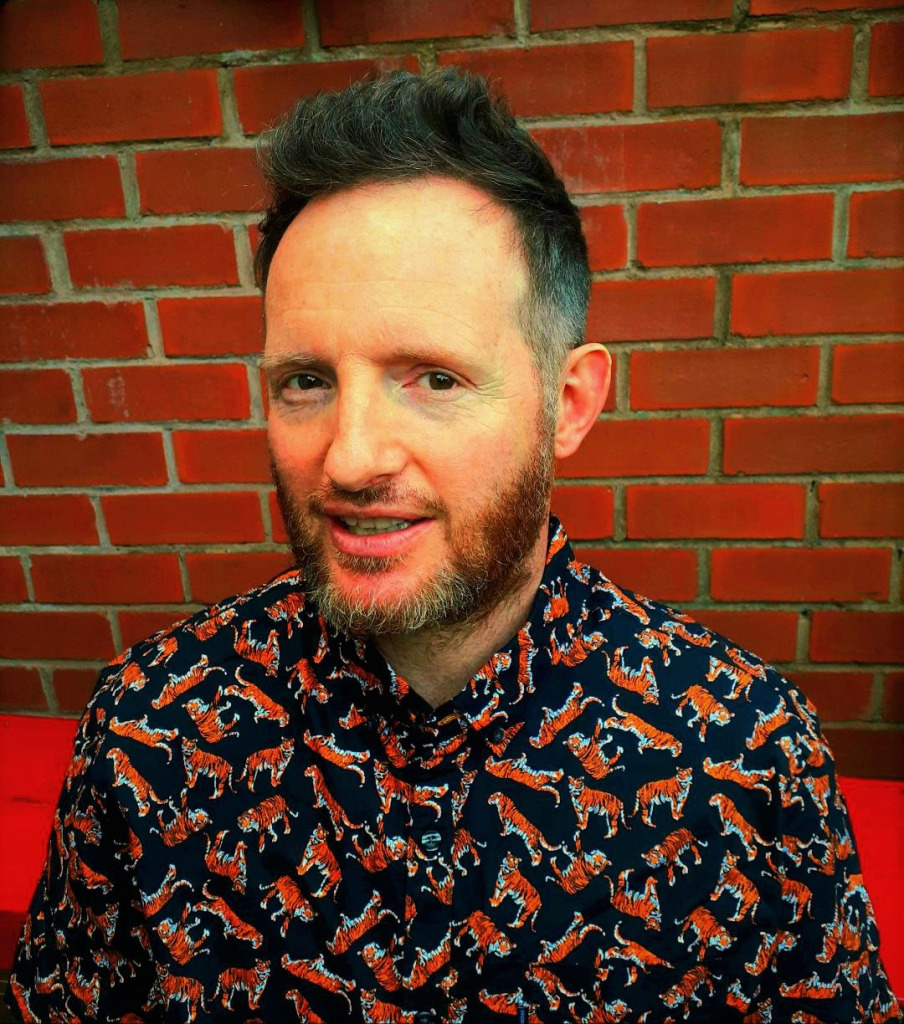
(440, 771)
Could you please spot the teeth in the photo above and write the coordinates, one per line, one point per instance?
(365, 526)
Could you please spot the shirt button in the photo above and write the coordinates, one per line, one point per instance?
(424, 1016)
(497, 736)
(431, 843)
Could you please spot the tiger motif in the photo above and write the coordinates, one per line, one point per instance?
(669, 851)
(275, 760)
(510, 882)
(589, 801)
(177, 989)
(644, 905)
(292, 902)
(648, 737)
(250, 980)
(705, 707)
(685, 991)
(737, 884)
(263, 818)
(589, 751)
(233, 925)
(202, 762)
(673, 791)
(488, 939)
(124, 774)
(708, 933)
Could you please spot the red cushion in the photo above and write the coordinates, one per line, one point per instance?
(34, 753)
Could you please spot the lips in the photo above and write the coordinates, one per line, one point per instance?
(376, 541)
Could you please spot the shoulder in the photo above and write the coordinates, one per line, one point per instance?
(255, 625)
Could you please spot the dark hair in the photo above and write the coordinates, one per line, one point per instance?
(400, 126)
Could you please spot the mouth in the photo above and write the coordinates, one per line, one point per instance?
(370, 526)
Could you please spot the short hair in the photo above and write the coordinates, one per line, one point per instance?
(400, 126)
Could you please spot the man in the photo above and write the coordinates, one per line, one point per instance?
(441, 772)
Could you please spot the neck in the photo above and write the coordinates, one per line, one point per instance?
(438, 662)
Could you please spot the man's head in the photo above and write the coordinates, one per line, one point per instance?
(402, 127)
(403, 385)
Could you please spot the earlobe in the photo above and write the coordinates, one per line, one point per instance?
(582, 394)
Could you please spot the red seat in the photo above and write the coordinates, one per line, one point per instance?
(34, 753)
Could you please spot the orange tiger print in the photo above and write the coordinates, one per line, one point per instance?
(139, 731)
(587, 801)
(176, 989)
(734, 823)
(323, 798)
(488, 939)
(551, 984)
(766, 725)
(233, 925)
(589, 751)
(737, 884)
(318, 854)
(685, 991)
(231, 866)
(208, 628)
(250, 980)
(707, 932)
(153, 903)
(124, 774)
(641, 681)
(391, 788)
(428, 961)
(734, 771)
(263, 818)
(273, 759)
(315, 971)
(510, 882)
(669, 852)
(87, 991)
(382, 851)
(383, 964)
(519, 771)
(644, 905)
(291, 900)
(552, 952)
(202, 762)
(672, 791)
(326, 747)
(647, 735)
(303, 1008)
(185, 823)
(264, 654)
(555, 720)
(705, 707)
(637, 957)
(264, 707)
(513, 821)
(582, 868)
(177, 685)
(350, 929)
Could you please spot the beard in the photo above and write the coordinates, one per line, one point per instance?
(488, 558)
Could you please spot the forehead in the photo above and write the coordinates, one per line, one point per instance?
(430, 249)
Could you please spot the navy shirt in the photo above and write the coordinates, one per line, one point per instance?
(622, 817)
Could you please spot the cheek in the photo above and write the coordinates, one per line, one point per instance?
(295, 456)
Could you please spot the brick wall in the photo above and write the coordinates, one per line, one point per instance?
(740, 169)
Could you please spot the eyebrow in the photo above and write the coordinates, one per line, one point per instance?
(273, 363)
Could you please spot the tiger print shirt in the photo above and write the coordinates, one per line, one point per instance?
(622, 817)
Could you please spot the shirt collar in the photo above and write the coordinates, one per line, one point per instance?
(492, 698)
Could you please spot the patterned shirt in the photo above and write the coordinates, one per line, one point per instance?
(621, 817)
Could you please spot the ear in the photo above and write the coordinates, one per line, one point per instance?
(583, 386)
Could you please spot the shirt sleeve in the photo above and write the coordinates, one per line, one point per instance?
(822, 946)
(84, 954)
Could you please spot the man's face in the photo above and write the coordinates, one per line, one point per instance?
(412, 460)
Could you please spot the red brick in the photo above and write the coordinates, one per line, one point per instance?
(73, 687)
(43, 634)
(145, 257)
(14, 131)
(183, 518)
(157, 105)
(87, 460)
(20, 689)
(838, 696)
(721, 378)
(632, 157)
(196, 180)
(868, 753)
(861, 510)
(651, 310)
(265, 94)
(552, 14)
(72, 330)
(151, 28)
(749, 67)
(61, 189)
(770, 228)
(586, 512)
(715, 510)
(606, 233)
(615, 448)
(22, 266)
(136, 625)
(568, 79)
(800, 574)
(806, 6)
(346, 22)
(213, 577)
(665, 574)
(804, 150)
(818, 302)
(46, 519)
(893, 697)
(49, 33)
(217, 391)
(770, 635)
(857, 637)
(815, 444)
(219, 325)
(278, 526)
(12, 581)
(868, 373)
(886, 59)
(36, 396)
(222, 456)
(106, 579)
(877, 223)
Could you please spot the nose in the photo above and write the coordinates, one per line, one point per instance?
(365, 449)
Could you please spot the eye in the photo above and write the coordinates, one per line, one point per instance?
(302, 382)
(436, 380)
